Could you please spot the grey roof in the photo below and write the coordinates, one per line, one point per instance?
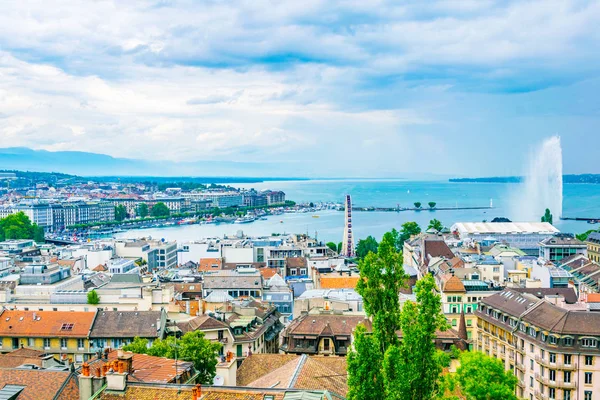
(568, 293)
(562, 240)
(126, 278)
(235, 282)
(594, 237)
(128, 324)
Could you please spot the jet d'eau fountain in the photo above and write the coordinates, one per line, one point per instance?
(543, 183)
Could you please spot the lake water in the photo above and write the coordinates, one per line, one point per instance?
(580, 200)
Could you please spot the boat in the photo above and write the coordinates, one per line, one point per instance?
(263, 218)
(244, 220)
(315, 216)
(281, 221)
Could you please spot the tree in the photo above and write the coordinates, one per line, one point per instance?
(381, 278)
(142, 210)
(408, 229)
(435, 224)
(583, 236)
(339, 247)
(191, 347)
(120, 213)
(93, 298)
(366, 246)
(332, 246)
(365, 381)
(481, 377)
(418, 204)
(161, 210)
(413, 370)
(547, 217)
(19, 226)
(432, 204)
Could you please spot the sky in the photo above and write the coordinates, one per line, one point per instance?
(368, 88)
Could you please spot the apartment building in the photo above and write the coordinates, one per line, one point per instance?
(593, 246)
(561, 245)
(552, 347)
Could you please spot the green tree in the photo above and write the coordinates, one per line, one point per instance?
(191, 347)
(381, 278)
(93, 297)
(142, 210)
(332, 246)
(161, 210)
(366, 246)
(481, 377)
(583, 236)
(120, 212)
(339, 247)
(413, 370)
(435, 224)
(417, 204)
(547, 217)
(365, 381)
(19, 226)
(408, 229)
(38, 234)
(432, 204)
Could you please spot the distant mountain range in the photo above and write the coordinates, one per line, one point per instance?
(582, 178)
(93, 164)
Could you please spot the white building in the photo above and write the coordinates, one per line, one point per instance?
(523, 235)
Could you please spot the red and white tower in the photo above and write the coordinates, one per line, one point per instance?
(348, 241)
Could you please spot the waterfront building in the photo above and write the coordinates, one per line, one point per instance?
(560, 246)
(551, 346)
(523, 235)
(222, 199)
(348, 239)
(274, 197)
(593, 246)
(61, 333)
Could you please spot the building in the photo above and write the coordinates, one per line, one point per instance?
(523, 235)
(114, 329)
(273, 371)
(585, 273)
(122, 266)
(222, 199)
(15, 246)
(65, 334)
(560, 246)
(552, 346)
(323, 332)
(38, 384)
(296, 266)
(166, 256)
(334, 299)
(44, 274)
(593, 246)
(242, 282)
(274, 197)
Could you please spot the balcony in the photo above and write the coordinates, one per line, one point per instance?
(562, 384)
(541, 379)
(567, 367)
(511, 357)
(520, 367)
(224, 340)
(540, 396)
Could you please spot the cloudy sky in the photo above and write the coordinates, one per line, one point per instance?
(350, 88)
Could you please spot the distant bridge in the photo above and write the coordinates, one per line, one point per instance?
(60, 241)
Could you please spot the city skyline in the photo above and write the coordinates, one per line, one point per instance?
(342, 90)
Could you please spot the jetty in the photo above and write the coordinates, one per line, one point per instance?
(399, 209)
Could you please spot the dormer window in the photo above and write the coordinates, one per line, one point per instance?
(589, 342)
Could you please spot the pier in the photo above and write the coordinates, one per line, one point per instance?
(398, 209)
(589, 220)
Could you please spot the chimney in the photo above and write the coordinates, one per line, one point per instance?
(197, 392)
(86, 383)
(127, 359)
(117, 380)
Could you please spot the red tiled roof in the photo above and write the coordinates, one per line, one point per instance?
(46, 323)
(41, 384)
(454, 285)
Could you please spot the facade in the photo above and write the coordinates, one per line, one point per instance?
(552, 347)
(243, 282)
(65, 334)
(44, 274)
(122, 266)
(223, 199)
(274, 197)
(560, 246)
(593, 246)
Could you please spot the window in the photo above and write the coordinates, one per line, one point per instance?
(532, 331)
(469, 322)
(30, 342)
(63, 343)
(552, 375)
(453, 322)
(531, 348)
(589, 360)
(567, 359)
(552, 340)
(15, 343)
(239, 350)
(567, 376)
(326, 344)
(566, 394)
(531, 381)
(589, 342)
(531, 365)
(587, 395)
(552, 393)
(552, 357)
(568, 341)
(588, 378)
(80, 343)
(543, 337)
(46, 343)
